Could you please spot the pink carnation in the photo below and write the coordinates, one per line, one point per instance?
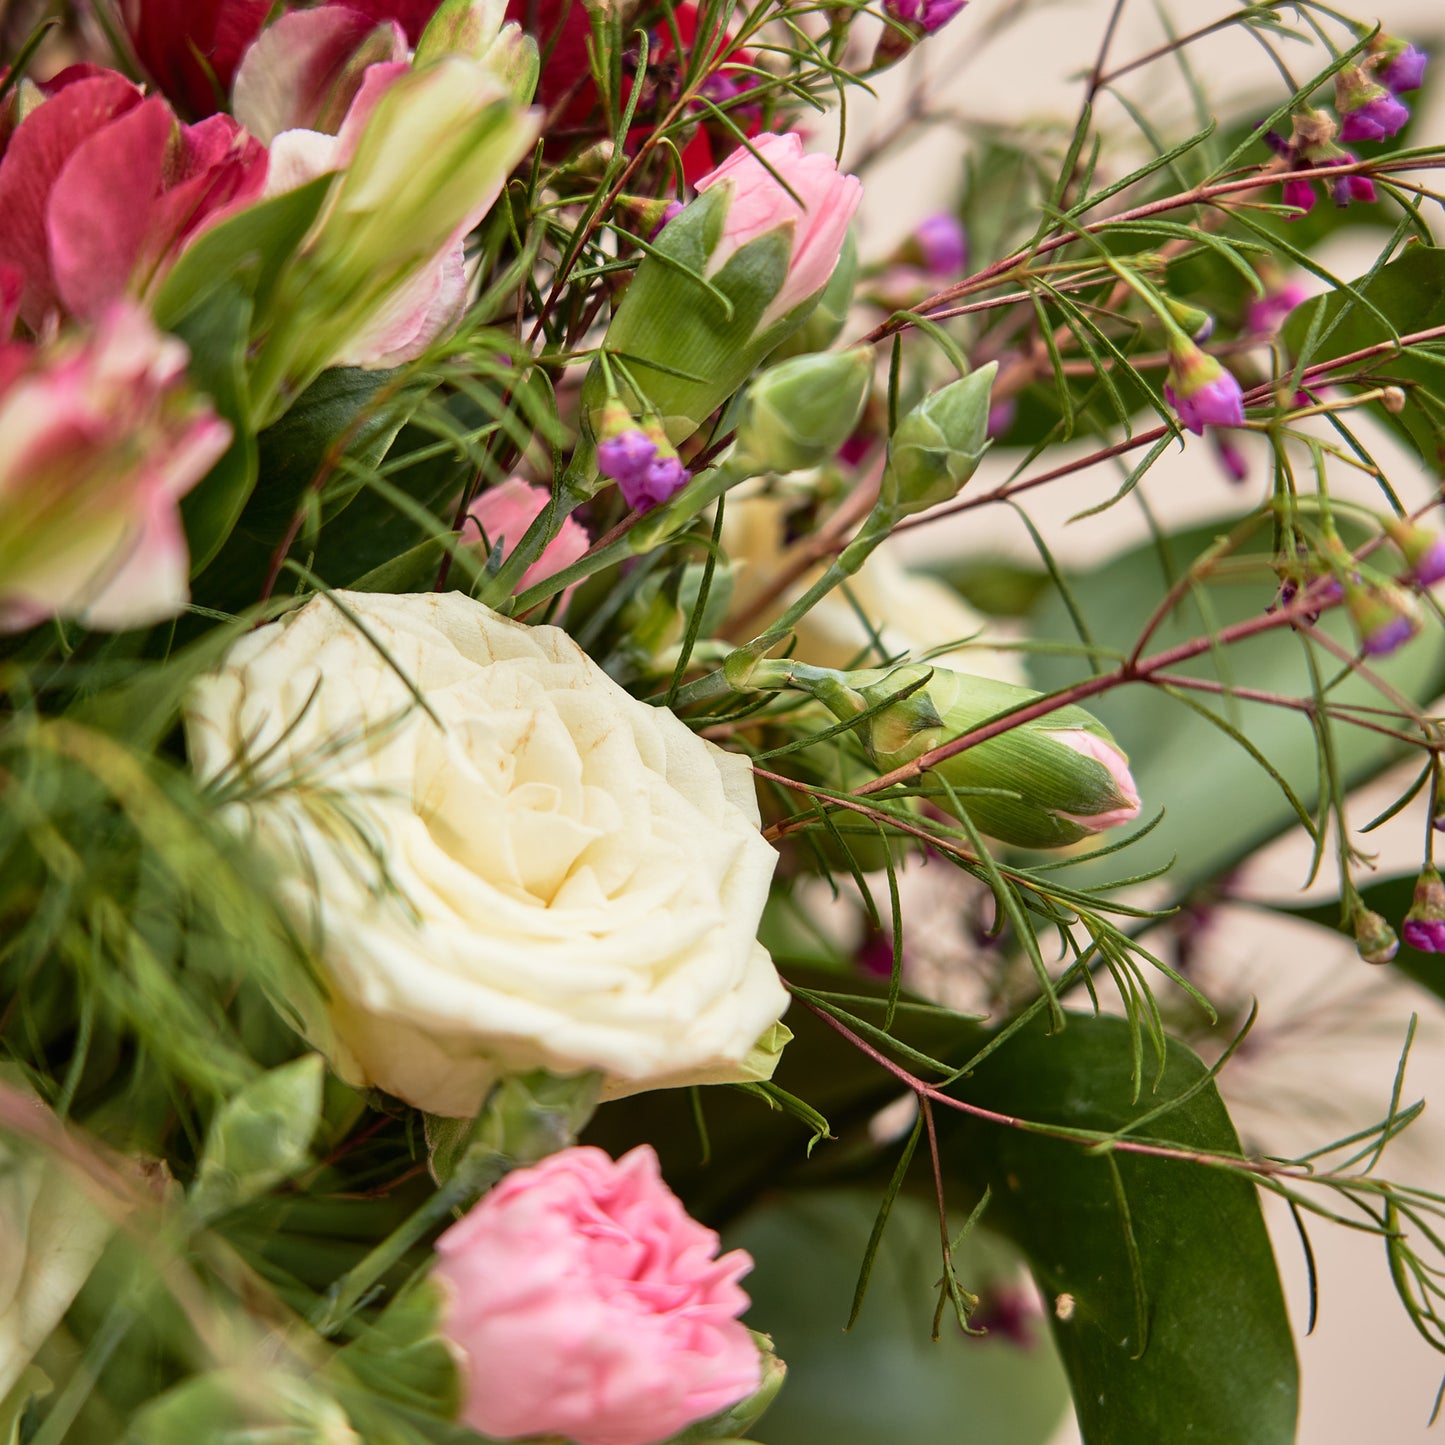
(1126, 791)
(504, 513)
(587, 1304)
(759, 205)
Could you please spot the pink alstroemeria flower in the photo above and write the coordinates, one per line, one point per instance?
(759, 205)
(102, 187)
(99, 440)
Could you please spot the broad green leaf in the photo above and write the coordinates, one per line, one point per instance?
(1220, 805)
(887, 1379)
(1167, 1308)
(1411, 292)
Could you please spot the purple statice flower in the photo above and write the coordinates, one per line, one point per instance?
(942, 244)
(928, 15)
(1267, 313)
(1424, 925)
(1403, 66)
(656, 482)
(625, 457)
(1200, 390)
(1367, 111)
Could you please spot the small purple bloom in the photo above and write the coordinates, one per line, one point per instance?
(654, 483)
(1353, 188)
(1216, 403)
(1387, 636)
(1404, 70)
(626, 457)
(928, 15)
(1301, 194)
(1231, 459)
(1429, 567)
(671, 209)
(1001, 417)
(1266, 315)
(1427, 935)
(942, 244)
(1377, 118)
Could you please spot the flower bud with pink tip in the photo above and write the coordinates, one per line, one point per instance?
(584, 1303)
(503, 513)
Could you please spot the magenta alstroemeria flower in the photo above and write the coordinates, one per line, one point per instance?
(1367, 111)
(99, 440)
(102, 187)
(1200, 390)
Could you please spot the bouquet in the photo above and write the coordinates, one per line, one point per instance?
(524, 911)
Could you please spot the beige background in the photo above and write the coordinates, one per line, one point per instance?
(1334, 1025)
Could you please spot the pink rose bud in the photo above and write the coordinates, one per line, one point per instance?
(99, 440)
(102, 188)
(759, 204)
(504, 513)
(586, 1304)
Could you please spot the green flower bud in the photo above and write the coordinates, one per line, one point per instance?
(937, 446)
(477, 30)
(1051, 781)
(799, 412)
(259, 1137)
(1375, 940)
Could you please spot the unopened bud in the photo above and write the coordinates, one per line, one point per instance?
(1043, 784)
(1375, 940)
(1385, 617)
(1424, 925)
(1422, 549)
(799, 412)
(937, 446)
(1196, 323)
(1392, 398)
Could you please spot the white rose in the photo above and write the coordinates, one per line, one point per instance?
(572, 879)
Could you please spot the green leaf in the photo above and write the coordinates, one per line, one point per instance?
(1411, 292)
(1220, 805)
(887, 1379)
(1167, 1308)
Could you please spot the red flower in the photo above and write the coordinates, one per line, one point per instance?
(191, 48)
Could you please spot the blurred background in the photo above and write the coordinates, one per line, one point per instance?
(1323, 1060)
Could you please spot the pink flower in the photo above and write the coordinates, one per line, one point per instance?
(1086, 744)
(99, 440)
(101, 189)
(1201, 390)
(411, 15)
(759, 205)
(504, 513)
(587, 1304)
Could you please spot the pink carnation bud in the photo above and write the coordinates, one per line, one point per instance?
(99, 440)
(1114, 762)
(586, 1304)
(504, 513)
(759, 205)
